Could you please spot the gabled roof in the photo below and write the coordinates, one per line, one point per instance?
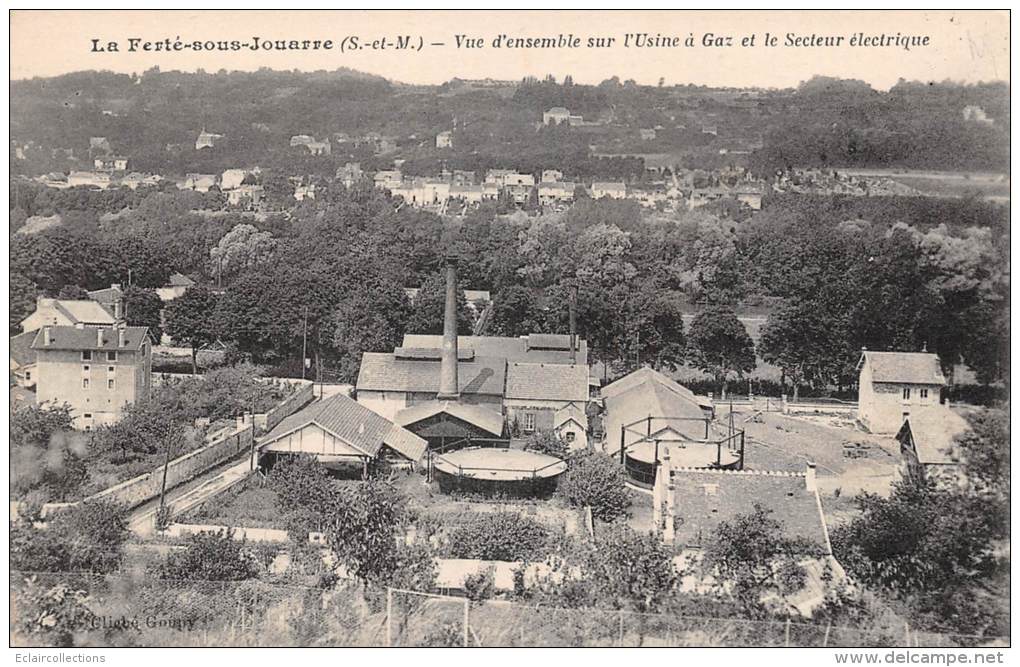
(476, 415)
(87, 338)
(904, 367)
(180, 280)
(22, 353)
(382, 371)
(647, 374)
(552, 382)
(570, 412)
(83, 311)
(934, 431)
(353, 423)
(706, 498)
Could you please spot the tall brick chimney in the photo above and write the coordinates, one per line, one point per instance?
(449, 387)
(573, 324)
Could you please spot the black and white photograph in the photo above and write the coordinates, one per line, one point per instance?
(510, 329)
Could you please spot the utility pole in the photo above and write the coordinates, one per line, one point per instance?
(166, 468)
(304, 344)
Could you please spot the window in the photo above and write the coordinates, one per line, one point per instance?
(87, 415)
(906, 393)
(570, 436)
(86, 368)
(924, 393)
(86, 355)
(529, 421)
(84, 383)
(28, 375)
(109, 383)
(110, 369)
(111, 355)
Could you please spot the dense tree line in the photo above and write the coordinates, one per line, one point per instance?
(836, 274)
(154, 118)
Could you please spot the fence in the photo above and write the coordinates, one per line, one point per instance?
(141, 609)
(420, 619)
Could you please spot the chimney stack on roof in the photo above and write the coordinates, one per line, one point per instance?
(120, 338)
(449, 386)
(46, 335)
(99, 337)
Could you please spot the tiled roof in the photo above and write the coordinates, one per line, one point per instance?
(381, 371)
(353, 423)
(86, 338)
(483, 418)
(706, 498)
(21, 348)
(906, 367)
(933, 431)
(552, 382)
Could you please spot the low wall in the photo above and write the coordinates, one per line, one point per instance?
(136, 491)
(266, 421)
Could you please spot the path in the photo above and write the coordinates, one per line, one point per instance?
(183, 497)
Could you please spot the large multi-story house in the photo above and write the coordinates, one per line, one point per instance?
(97, 371)
(894, 385)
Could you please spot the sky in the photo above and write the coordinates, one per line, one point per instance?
(963, 46)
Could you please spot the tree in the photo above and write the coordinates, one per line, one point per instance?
(931, 547)
(804, 341)
(213, 556)
(370, 319)
(73, 292)
(624, 570)
(143, 308)
(22, 293)
(362, 529)
(429, 307)
(546, 442)
(515, 312)
(192, 319)
(719, 345)
(46, 454)
(243, 247)
(304, 493)
(86, 537)
(752, 557)
(597, 481)
(986, 456)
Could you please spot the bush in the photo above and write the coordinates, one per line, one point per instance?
(304, 493)
(498, 536)
(546, 442)
(480, 586)
(596, 480)
(88, 536)
(210, 557)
